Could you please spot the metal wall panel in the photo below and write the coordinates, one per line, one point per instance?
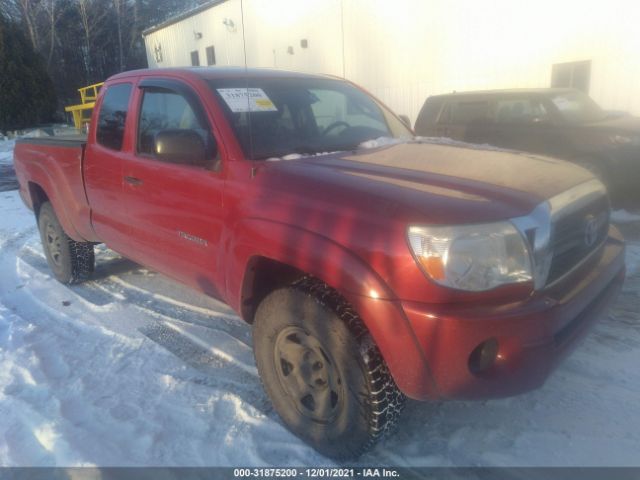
(404, 51)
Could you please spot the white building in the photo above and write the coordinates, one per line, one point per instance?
(405, 50)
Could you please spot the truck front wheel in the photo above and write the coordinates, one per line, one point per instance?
(323, 373)
(70, 261)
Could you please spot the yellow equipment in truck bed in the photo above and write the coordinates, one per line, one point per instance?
(82, 112)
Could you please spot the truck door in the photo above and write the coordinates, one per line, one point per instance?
(102, 169)
(174, 205)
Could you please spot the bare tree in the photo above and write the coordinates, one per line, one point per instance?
(119, 7)
(40, 18)
(135, 27)
(92, 15)
(85, 41)
(29, 12)
(52, 13)
(10, 9)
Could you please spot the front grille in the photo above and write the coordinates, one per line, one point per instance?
(576, 234)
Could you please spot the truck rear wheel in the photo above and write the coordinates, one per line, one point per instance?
(70, 261)
(323, 373)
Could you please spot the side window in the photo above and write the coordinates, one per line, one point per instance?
(466, 112)
(519, 110)
(164, 110)
(428, 114)
(445, 114)
(113, 116)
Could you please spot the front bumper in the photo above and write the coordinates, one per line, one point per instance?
(533, 336)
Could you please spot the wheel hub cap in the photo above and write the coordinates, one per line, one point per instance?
(308, 374)
(53, 240)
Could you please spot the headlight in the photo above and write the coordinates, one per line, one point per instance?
(472, 257)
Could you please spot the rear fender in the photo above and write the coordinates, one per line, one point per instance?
(39, 177)
(45, 172)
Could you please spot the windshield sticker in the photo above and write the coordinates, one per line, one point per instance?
(238, 100)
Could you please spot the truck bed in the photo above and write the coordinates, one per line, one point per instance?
(64, 140)
(55, 164)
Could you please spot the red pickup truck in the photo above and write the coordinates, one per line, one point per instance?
(368, 274)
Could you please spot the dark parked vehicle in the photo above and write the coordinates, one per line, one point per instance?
(559, 122)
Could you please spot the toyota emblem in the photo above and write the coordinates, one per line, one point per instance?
(591, 230)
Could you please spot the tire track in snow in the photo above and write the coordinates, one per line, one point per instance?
(104, 393)
(223, 348)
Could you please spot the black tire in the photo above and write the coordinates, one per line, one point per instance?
(70, 261)
(323, 373)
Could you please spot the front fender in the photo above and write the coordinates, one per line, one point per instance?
(339, 268)
(307, 251)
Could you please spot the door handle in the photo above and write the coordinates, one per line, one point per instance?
(133, 180)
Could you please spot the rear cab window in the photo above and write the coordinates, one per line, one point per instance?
(113, 116)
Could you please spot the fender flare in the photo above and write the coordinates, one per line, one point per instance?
(38, 176)
(302, 249)
(36, 166)
(344, 271)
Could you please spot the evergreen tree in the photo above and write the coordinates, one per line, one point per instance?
(27, 95)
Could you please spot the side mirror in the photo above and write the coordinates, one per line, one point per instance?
(184, 147)
(405, 120)
(540, 121)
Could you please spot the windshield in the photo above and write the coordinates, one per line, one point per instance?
(577, 108)
(275, 117)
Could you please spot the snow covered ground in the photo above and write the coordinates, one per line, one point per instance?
(7, 175)
(134, 369)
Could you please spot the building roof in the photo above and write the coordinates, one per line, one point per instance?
(181, 16)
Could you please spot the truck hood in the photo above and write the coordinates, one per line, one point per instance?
(428, 182)
(624, 124)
